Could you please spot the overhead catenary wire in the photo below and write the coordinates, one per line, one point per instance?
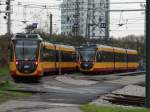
(33, 5)
(58, 6)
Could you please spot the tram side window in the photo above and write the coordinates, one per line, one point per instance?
(123, 57)
(68, 57)
(74, 57)
(57, 55)
(120, 57)
(132, 58)
(49, 55)
(98, 57)
(107, 56)
(52, 55)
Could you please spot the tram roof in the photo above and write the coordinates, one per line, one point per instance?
(65, 47)
(58, 46)
(27, 36)
(110, 48)
(129, 51)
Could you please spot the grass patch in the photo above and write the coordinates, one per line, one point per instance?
(4, 71)
(94, 108)
(6, 86)
(5, 94)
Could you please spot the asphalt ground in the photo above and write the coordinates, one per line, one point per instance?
(52, 93)
(51, 90)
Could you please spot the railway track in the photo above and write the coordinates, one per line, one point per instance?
(128, 100)
(104, 77)
(131, 73)
(112, 74)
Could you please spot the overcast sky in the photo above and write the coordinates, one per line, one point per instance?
(132, 22)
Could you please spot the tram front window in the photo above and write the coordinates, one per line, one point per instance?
(26, 50)
(87, 55)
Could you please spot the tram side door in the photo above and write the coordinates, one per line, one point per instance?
(58, 60)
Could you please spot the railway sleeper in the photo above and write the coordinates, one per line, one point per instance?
(125, 102)
(129, 96)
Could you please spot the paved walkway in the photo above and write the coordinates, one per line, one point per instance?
(128, 80)
(69, 80)
(62, 95)
(32, 106)
(62, 109)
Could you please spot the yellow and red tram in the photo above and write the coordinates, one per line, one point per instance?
(31, 57)
(58, 58)
(101, 58)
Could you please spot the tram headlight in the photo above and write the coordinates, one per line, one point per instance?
(36, 62)
(17, 62)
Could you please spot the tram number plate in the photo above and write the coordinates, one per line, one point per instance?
(86, 65)
(26, 66)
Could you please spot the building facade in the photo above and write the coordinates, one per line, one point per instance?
(87, 18)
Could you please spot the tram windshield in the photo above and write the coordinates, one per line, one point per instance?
(26, 49)
(87, 54)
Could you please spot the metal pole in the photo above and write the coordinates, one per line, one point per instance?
(107, 13)
(51, 27)
(87, 34)
(9, 18)
(147, 101)
(77, 15)
(93, 18)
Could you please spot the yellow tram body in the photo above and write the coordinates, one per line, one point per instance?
(48, 57)
(132, 65)
(61, 64)
(108, 59)
(31, 57)
(103, 66)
